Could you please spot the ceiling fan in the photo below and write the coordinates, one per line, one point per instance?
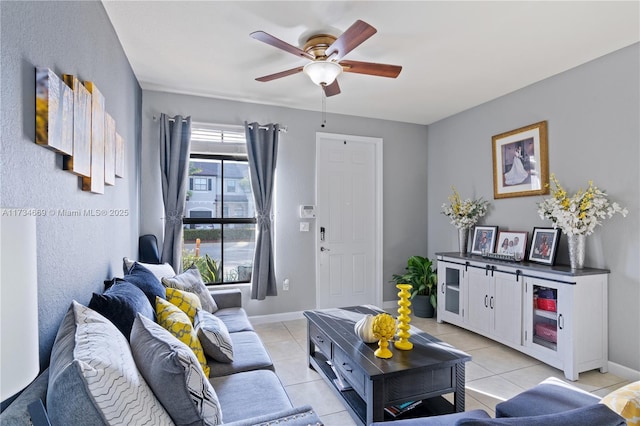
(326, 52)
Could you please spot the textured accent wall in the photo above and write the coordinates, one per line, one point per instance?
(75, 253)
(592, 113)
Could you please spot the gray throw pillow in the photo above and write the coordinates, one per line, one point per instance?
(93, 379)
(174, 374)
(191, 280)
(214, 336)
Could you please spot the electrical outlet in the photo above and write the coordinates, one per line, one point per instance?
(285, 284)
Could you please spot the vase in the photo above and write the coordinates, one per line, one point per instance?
(577, 251)
(463, 237)
(404, 319)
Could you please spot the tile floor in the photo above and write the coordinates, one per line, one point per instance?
(496, 372)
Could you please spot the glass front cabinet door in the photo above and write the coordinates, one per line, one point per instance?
(451, 292)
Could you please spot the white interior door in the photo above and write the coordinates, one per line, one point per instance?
(349, 220)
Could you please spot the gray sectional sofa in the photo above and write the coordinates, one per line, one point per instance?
(247, 389)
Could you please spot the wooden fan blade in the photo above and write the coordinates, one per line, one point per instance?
(283, 45)
(280, 74)
(370, 68)
(331, 89)
(355, 35)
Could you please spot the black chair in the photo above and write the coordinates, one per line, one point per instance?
(148, 249)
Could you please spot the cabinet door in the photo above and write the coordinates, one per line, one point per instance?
(545, 321)
(450, 292)
(479, 291)
(506, 307)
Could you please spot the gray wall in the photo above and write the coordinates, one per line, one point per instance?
(75, 254)
(405, 180)
(592, 113)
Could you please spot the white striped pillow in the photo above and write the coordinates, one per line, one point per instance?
(92, 360)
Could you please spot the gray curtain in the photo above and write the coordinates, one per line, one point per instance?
(175, 143)
(262, 150)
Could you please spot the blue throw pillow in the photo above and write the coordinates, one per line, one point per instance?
(120, 304)
(144, 279)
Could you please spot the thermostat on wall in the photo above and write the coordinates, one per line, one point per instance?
(307, 212)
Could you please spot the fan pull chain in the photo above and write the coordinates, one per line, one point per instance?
(324, 107)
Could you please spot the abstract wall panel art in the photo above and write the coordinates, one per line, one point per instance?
(119, 156)
(54, 112)
(95, 183)
(79, 162)
(71, 119)
(109, 150)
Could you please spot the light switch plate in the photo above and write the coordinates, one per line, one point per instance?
(304, 226)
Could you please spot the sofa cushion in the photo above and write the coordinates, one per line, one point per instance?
(142, 278)
(93, 379)
(188, 303)
(550, 396)
(214, 336)
(248, 354)
(235, 319)
(190, 280)
(626, 402)
(177, 323)
(173, 372)
(250, 394)
(160, 270)
(120, 303)
(594, 414)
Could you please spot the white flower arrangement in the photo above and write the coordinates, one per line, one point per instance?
(464, 214)
(579, 214)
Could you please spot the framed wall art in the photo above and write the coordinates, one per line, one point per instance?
(521, 162)
(512, 243)
(544, 245)
(484, 239)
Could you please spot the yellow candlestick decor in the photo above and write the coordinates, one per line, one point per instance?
(384, 327)
(404, 319)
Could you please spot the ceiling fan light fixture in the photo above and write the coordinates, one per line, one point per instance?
(323, 73)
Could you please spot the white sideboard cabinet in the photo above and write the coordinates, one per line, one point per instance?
(552, 313)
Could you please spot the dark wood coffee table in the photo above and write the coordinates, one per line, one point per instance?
(428, 371)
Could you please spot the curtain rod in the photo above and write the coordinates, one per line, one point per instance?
(282, 129)
(170, 119)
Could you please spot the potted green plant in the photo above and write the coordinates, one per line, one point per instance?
(424, 281)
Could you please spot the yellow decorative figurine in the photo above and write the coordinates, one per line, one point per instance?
(404, 319)
(384, 327)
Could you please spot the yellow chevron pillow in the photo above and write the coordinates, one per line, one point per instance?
(626, 402)
(188, 303)
(177, 323)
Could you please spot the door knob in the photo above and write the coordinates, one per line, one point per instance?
(324, 249)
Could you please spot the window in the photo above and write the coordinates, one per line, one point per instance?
(220, 223)
(200, 184)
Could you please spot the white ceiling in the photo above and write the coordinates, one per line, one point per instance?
(455, 55)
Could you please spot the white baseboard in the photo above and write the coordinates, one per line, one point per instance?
(286, 316)
(624, 372)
